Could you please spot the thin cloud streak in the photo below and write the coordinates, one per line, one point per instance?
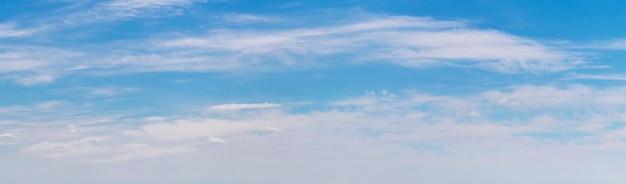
(399, 40)
(226, 107)
(406, 41)
(9, 29)
(121, 10)
(616, 77)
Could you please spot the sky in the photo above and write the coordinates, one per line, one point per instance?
(280, 92)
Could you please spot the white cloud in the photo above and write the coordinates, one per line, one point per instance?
(230, 107)
(66, 149)
(10, 30)
(216, 140)
(155, 118)
(131, 151)
(125, 9)
(72, 128)
(31, 79)
(40, 107)
(617, 77)
(28, 65)
(192, 129)
(102, 91)
(369, 99)
(359, 101)
(86, 12)
(8, 135)
(274, 129)
(456, 126)
(573, 96)
(537, 66)
(616, 44)
(400, 40)
(248, 18)
(138, 4)
(94, 149)
(408, 41)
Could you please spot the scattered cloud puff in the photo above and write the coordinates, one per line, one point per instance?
(231, 107)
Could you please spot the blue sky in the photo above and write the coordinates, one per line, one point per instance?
(360, 91)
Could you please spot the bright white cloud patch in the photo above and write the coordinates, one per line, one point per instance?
(216, 140)
(274, 129)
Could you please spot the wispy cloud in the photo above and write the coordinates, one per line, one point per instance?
(70, 148)
(10, 29)
(399, 40)
(248, 18)
(510, 120)
(616, 44)
(125, 9)
(617, 77)
(227, 107)
(407, 41)
(274, 129)
(216, 140)
(139, 4)
(29, 65)
(85, 12)
(104, 91)
(86, 149)
(40, 107)
(8, 135)
(574, 96)
(190, 129)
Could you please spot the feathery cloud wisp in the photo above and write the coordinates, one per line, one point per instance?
(226, 107)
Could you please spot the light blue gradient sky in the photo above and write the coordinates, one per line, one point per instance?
(360, 91)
